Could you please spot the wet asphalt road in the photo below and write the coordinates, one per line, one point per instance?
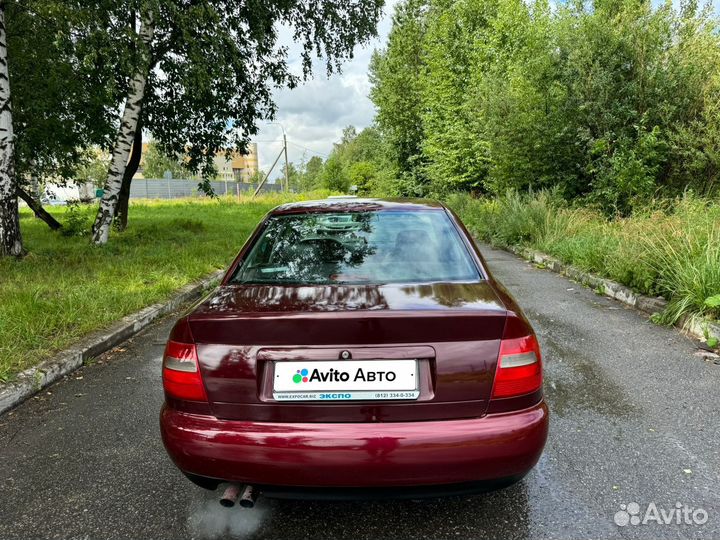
(634, 419)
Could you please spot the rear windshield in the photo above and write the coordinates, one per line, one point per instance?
(358, 247)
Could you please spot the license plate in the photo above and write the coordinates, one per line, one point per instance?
(346, 380)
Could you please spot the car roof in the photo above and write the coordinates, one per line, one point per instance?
(357, 204)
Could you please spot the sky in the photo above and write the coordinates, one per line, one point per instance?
(315, 113)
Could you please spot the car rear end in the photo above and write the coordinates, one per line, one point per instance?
(337, 380)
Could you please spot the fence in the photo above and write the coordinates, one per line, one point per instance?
(152, 188)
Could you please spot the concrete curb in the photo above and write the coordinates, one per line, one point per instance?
(647, 304)
(34, 379)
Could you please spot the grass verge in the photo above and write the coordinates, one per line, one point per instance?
(65, 288)
(669, 248)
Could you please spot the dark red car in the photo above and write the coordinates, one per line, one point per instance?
(355, 347)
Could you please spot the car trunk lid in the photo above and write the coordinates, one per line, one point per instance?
(452, 330)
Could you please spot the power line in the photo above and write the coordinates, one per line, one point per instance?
(308, 149)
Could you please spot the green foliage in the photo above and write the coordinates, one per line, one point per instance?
(364, 146)
(358, 159)
(628, 175)
(608, 102)
(216, 64)
(306, 176)
(686, 256)
(92, 166)
(294, 176)
(310, 174)
(156, 163)
(77, 220)
(333, 176)
(213, 67)
(362, 174)
(257, 177)
(394, 73)
(457, 158)
(64, 97)
(670, 248)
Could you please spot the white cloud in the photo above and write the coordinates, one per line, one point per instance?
(315, 113)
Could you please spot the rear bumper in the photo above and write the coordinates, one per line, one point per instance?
(357, 455)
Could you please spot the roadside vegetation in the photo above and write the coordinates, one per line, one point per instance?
(669, 248)
(66, 287)
(588, 130)
(613, 103)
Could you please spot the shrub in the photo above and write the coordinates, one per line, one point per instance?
(77, 220)
(668, 247)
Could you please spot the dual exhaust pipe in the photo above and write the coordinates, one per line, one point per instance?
(246, 494)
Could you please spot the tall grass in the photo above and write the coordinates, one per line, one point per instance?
(669, 248)
(684, 251)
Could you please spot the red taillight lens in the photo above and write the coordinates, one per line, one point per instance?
(181, 373)
(519, 368)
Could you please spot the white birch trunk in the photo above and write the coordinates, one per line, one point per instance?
(10, 239)
(125, 137)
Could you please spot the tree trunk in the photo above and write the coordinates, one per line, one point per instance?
(39, 211)
(10, 239)
(125, 138)
(121, 214)
(34, 185)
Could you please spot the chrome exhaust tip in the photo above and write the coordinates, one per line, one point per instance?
(230, 495)
(248, 497)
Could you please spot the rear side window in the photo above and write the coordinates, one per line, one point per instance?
(358, 247)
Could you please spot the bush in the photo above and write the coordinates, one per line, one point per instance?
(77, 220)
(669, 247)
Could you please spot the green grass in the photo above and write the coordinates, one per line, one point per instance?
(65, 288)
(669, 248)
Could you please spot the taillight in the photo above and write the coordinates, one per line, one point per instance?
(519, 368)
(181, 373)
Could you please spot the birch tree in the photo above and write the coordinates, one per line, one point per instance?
(10, 239)
(126, 135)
(208, 71)
(68, 67)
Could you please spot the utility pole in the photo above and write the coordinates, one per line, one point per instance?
(260, 185)
(284, 151)
(287, 172)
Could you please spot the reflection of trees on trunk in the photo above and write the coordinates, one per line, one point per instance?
(239, 299)
(452, 294)
(268, 298)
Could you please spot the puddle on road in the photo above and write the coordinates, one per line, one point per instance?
(573, 379)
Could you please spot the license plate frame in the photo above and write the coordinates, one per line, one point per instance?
(326, 380)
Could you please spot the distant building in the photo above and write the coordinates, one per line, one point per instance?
(240, 167)
(55, 194)
(237, 168)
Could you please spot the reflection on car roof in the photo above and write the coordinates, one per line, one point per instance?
(357, 205)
